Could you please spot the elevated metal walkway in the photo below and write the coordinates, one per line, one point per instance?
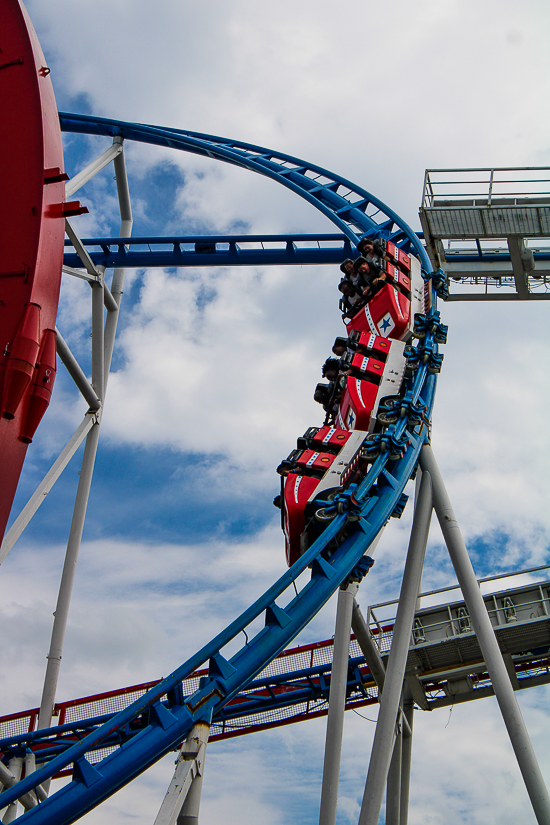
(445, 664)
(490, 229)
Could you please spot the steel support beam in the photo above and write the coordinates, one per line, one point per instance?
(15, 766)
(368, 646)
(384, 736)
(406, 754)
(488, 643)
(81, 251)
(98, 321)
(117, 283)
(370, 651)
(10, 776)
(110, 302)
(92, 169)
(30, 767)
(181, 804)
(189, 814)
(77, 273)
(519, 259)
(508, 661)
(77, 373)
(67, 579)
(46, 485)
(337, 704)
(393, 785)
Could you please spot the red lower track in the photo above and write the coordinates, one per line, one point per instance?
(32, 212)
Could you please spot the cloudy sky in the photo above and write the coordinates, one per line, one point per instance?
(215, 369)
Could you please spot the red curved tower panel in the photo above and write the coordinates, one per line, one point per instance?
(31, 240)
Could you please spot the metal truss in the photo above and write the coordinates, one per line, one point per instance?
(289, 604)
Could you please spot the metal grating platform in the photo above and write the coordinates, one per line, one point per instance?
(477, 224)
(454, 221)
(444, 651)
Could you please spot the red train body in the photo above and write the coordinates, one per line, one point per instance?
(330, 458)
(391, 312)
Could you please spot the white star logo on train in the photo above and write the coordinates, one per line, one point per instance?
(386, 325)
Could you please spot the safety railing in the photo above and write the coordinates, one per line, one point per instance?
(482, 187)
(430, 625)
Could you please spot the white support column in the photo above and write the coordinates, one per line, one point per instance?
(76, 372)
(103, 337)
(180, 806)
(67, 578)
(488, 643)
(30, 767)
(337, 705)
(98, 321)
(14, 769)
(117, 284)
(45, 485)
(382, 747)
(417, 481)
(189, 814)
(393, 785)
(406, 755)
(82, 252)
(370, 651)
(92, 169)
(368, 646)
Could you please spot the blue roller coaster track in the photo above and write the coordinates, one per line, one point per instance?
(165, 715)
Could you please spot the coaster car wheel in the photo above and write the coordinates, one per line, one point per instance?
(388, 418)
(326, 514)
(389, 409)
(330, 512)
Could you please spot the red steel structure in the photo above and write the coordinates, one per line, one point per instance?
(32, 212)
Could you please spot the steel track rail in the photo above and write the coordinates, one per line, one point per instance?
(354, 210)
(376, 499)
(215, 250)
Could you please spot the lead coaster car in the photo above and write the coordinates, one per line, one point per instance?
(390, 313)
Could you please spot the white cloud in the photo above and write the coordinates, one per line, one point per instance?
(376, 96)
(239, 361)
